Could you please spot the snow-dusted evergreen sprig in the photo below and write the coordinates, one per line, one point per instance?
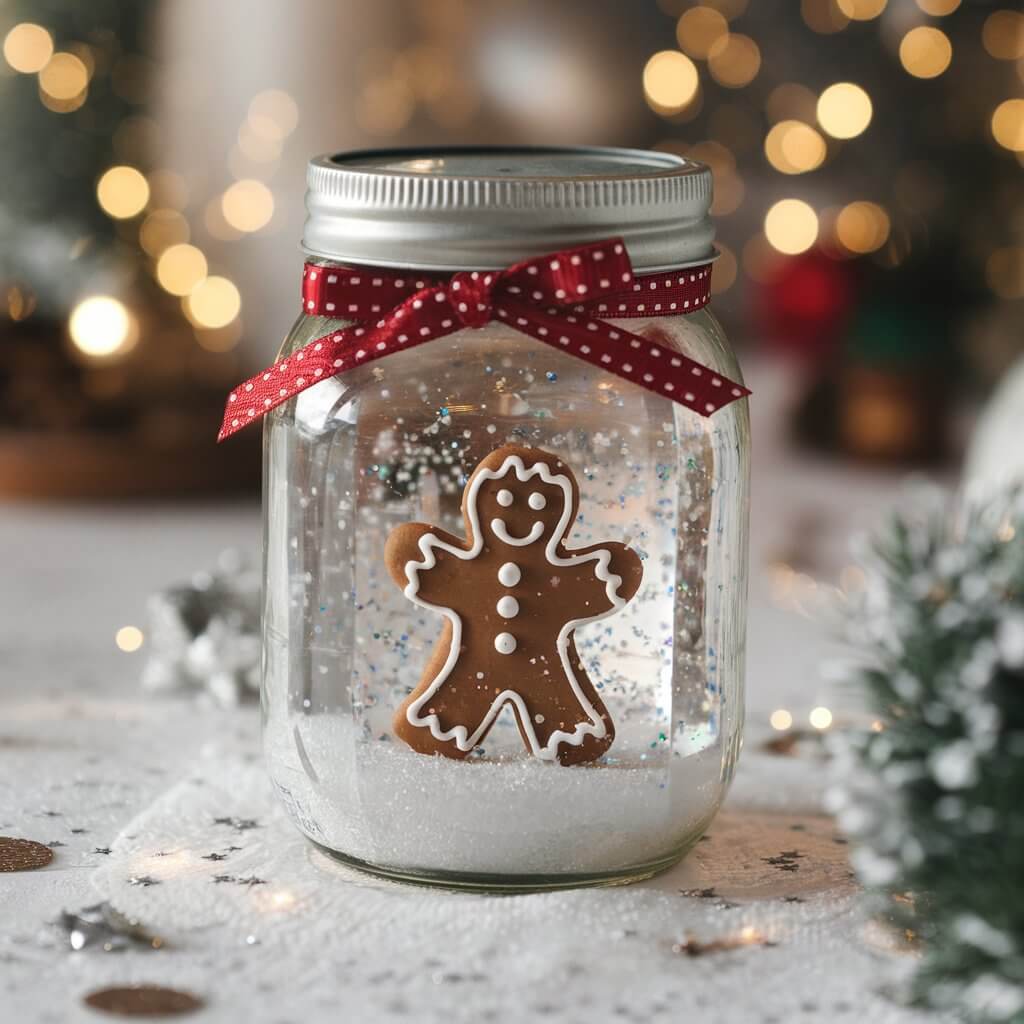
(934, 800)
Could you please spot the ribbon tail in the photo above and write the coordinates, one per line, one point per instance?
(640, 360)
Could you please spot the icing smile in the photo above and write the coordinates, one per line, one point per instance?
(500, 530)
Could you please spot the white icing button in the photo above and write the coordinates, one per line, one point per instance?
(537, 501)
(505, 498)
(508, 607)
(504, 643)
(509, 574)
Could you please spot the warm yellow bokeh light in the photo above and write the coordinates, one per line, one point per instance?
(734, 60)
(180, 268)
(820, 718)
(699, 29)
(1004, 272)
(925, 52)
(129, 638)
(791, 226)
(122, 192)
(670, 81)
(791, 101)
(64, 77)
(247, 205)
(1008, 125)
(728, 194)
(862, 227)
(101, 326)
(214, 302)
(1002, 35)
(161, 229)
(780, 719)
(938, 8)
(823, 16)
(793, 147)
(844, 110)
(861, 10)
(273, 114)
(28, 48)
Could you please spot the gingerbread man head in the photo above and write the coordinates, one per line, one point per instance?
(518, 497)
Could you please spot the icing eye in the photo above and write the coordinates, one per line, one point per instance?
(537, 501)
(505, 498)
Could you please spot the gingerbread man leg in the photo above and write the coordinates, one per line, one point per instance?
(556, 708)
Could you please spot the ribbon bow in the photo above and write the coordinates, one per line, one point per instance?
(553, 298)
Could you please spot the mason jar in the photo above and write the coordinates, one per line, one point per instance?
(505, 582)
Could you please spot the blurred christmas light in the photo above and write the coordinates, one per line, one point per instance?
(791, 226)
(820, 718)
(219, 339)
(823, 16)
(670, 81)
(129, 638)
(793, 147)
(20, 303)
(1002, 35)
(180, 268)
(1004, 272)
(791, 101)
(938, 8)
(723, 274)
(729, 9)
(861, 10)
(273, 114)
(760, 260)
(780, 720)
(844, 110)
(28, 48)
(862, 227)
(101, 326)
(258, 148)
(734, 60)
(122, 192)
(64, 77)
(247, 205)
(925, 52)
(1008, 125)
(214, 302)
(728, 193)
(699, 29)
(168, 188)
(384, 106)
(161, 229)
(216, 225)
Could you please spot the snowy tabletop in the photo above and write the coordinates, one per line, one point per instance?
(160, 806)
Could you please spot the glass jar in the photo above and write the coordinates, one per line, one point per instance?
(367, 766)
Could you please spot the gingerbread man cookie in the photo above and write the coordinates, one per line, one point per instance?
(512, 594)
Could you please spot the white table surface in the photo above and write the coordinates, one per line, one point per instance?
(92, 763)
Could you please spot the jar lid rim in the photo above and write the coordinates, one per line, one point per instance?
(485, 207)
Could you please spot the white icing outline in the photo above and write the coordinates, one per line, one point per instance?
(465, 740)
(500, 530)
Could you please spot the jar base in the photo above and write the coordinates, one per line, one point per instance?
(508, 885)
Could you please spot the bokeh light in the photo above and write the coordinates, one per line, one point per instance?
(1004, 272)
(101, 326)
(820, 718)
(214, 302)
(28, 48)
(938, 8)
(64, 77)
(791, 101)
(823, 16)
(247, 205)
(793, 147)
(780, 719)
(161, 229)
(273, 114)
(844, 110)
(791, 226)
(122, 192)
(862, 227)
(734, 60)
(699, 29)
(861, 10)
(670, 81)
(128, 638)
(1008, 125)
(180, 268)
(925, 52)
(1002, 35)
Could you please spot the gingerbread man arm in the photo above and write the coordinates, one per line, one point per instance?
(433, 566)
(624, 563)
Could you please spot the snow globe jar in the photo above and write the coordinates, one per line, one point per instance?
(506, 499)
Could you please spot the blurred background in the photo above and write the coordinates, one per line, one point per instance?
(867, 158)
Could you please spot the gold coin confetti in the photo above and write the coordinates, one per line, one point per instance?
(143, 1001)
(23, 854)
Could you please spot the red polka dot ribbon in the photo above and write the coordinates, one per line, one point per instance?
(556, 299)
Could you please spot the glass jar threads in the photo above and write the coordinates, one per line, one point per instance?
(506, 495)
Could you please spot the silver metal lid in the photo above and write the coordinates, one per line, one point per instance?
(483, 208)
